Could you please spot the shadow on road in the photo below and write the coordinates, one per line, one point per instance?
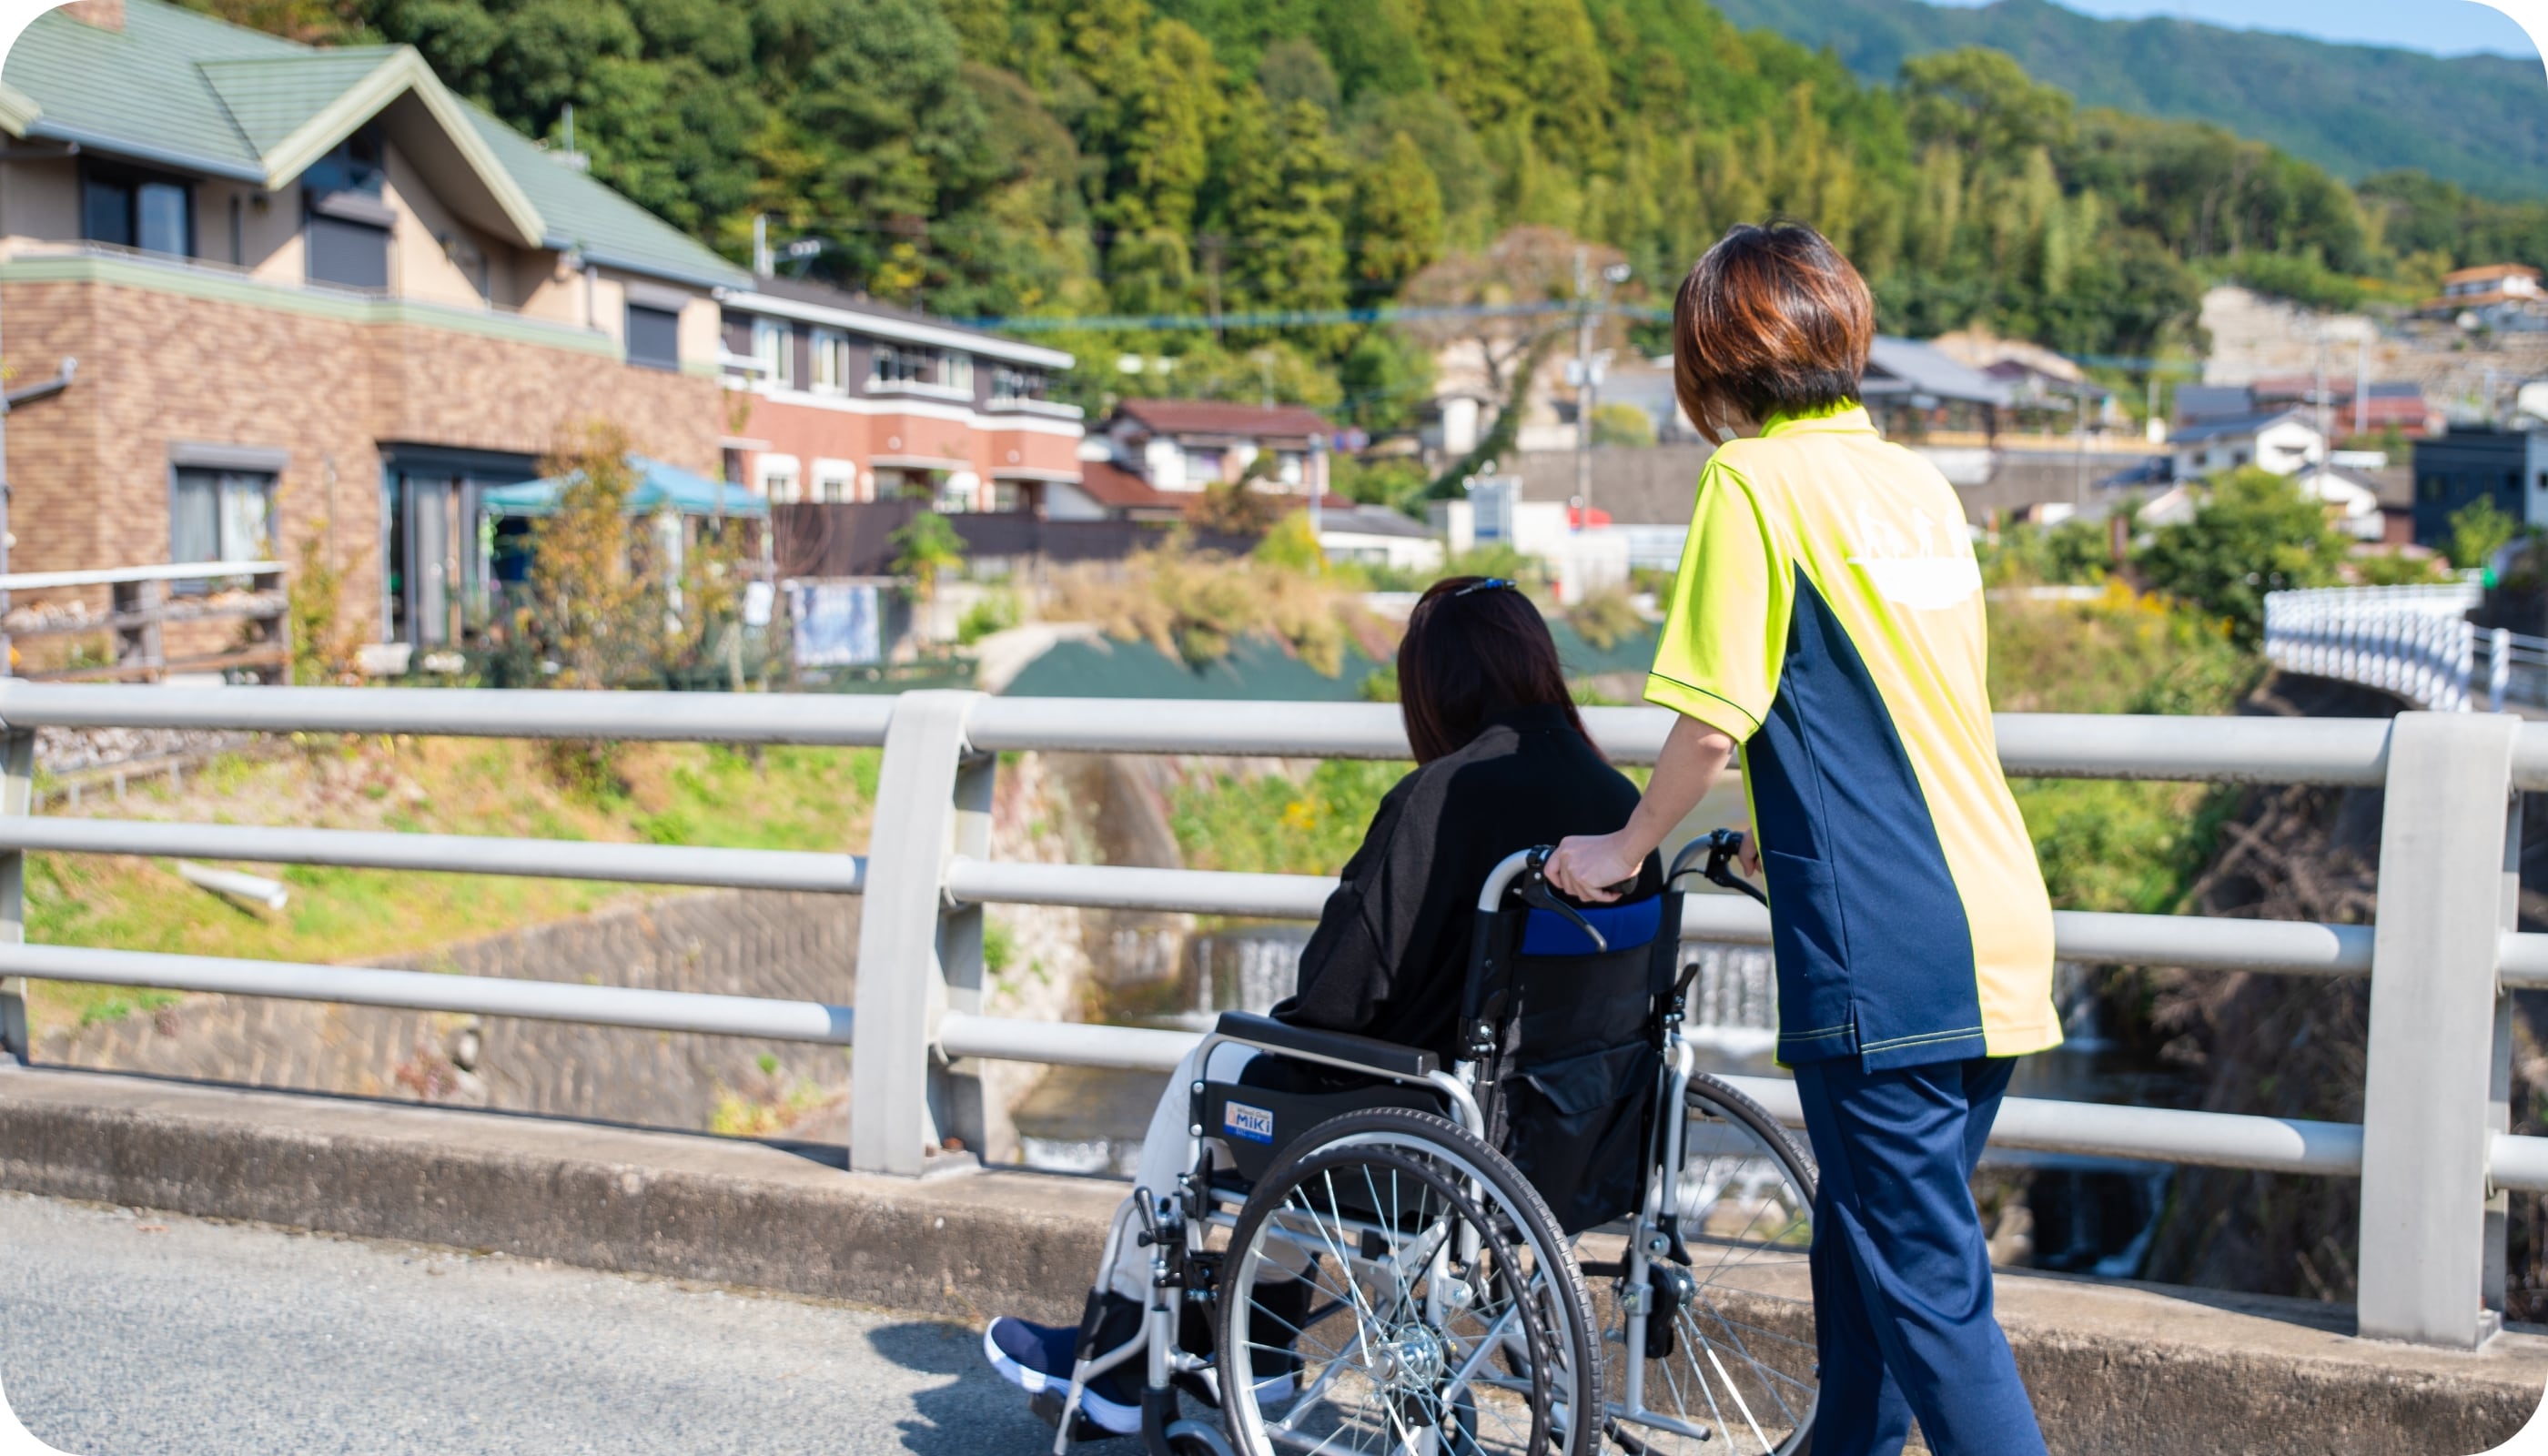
(975, 1411)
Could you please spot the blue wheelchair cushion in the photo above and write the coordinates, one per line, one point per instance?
(1634, 922)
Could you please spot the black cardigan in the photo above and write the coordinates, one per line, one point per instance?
(1391, 947)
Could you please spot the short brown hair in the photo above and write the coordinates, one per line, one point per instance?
(1772, 321)
(1474, 647)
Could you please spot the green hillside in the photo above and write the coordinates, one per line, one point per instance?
(2481, 121)
(1104, 163)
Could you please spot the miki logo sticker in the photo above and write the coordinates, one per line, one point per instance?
(1254, 1123)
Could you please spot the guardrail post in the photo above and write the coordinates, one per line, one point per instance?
(2438, 1067)
(916, 958)
(17, 797)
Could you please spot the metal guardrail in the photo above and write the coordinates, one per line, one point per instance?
(2432, 1152)
(2411, 641)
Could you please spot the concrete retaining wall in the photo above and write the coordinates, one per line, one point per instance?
(2116, 1370)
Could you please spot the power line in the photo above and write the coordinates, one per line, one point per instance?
(1290, 318)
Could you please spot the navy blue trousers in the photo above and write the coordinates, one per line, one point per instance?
(1901, 1268)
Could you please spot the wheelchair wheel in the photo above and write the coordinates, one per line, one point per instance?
(1728, 1358)
(1415, 1289)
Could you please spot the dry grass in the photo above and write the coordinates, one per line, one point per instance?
(785, 798)
(1193, 605)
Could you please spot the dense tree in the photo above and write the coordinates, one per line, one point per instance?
(1182, 156)
(2255, 533)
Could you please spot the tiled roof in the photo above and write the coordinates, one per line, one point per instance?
(1897, 366)
(609, 228)
(2490, 270)
(1114, 487)
(1216, 417)
(2232, 424)
(187, 91)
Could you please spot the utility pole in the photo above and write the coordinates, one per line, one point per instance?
(2362, 384)
(1588, 372)
(1583, 388)
(2318, 391)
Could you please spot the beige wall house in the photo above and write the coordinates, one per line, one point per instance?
(312, 289)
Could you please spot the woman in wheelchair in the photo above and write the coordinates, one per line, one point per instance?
(1504, 764)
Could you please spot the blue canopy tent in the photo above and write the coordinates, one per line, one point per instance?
(674, 497)
(659, 487)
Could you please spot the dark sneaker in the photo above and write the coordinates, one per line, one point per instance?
(1036, 1359)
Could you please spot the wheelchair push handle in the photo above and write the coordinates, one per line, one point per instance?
(1521, 873)
(1720, 846)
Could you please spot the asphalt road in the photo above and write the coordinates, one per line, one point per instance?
(123, 1335)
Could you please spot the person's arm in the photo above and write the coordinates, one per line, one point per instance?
(1693, 754)
(1717, 665)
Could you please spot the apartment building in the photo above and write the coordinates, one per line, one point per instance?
(312, 291)
(846, 400)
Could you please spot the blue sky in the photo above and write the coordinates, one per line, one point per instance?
(2445, 26)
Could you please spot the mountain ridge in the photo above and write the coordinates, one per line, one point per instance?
(2481, 121)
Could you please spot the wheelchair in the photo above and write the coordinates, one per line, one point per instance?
(1517, 1254)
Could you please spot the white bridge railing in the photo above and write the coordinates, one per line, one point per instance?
(2433, 1154)
(2412, 642)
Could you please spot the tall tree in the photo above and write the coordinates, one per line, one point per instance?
(1397, 218)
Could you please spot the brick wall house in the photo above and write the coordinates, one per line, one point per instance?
(313, 288)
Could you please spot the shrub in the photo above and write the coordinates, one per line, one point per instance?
(2478, 530)
(1621, 423)
(996, 611)
(2255, 533)
(924, 546)
(1605, 618)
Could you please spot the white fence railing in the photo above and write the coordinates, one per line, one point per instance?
(2412, 642)
(2434, 1153)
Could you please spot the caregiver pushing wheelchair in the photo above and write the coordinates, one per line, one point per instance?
(1465, 1190)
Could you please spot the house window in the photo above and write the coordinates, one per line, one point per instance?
(220, 515)
(653, 337)
(836, 480)
(1009, 386)
(770, 351)
(133, 210)
(831, 361)
(904, 364)
(348, 234)
(779, 480)
(347, 251)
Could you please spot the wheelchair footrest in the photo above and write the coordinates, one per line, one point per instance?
(1048, 1404)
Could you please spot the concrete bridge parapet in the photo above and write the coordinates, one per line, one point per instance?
(2116, 1370)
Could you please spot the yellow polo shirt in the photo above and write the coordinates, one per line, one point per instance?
(1829, 617)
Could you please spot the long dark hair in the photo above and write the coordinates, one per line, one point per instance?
(1474, 647)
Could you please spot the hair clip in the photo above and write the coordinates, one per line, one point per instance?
(1491, 583)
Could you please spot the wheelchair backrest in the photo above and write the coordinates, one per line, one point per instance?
(1564, 1032)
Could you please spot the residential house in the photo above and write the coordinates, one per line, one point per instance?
(2283, 441)
(1185, 446)
(313, 293)
(844, 400)
(1912, 388)
(2471, 464)
(2386, 404)
(2504, 295)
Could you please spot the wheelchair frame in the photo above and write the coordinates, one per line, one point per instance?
(1176, 1225)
